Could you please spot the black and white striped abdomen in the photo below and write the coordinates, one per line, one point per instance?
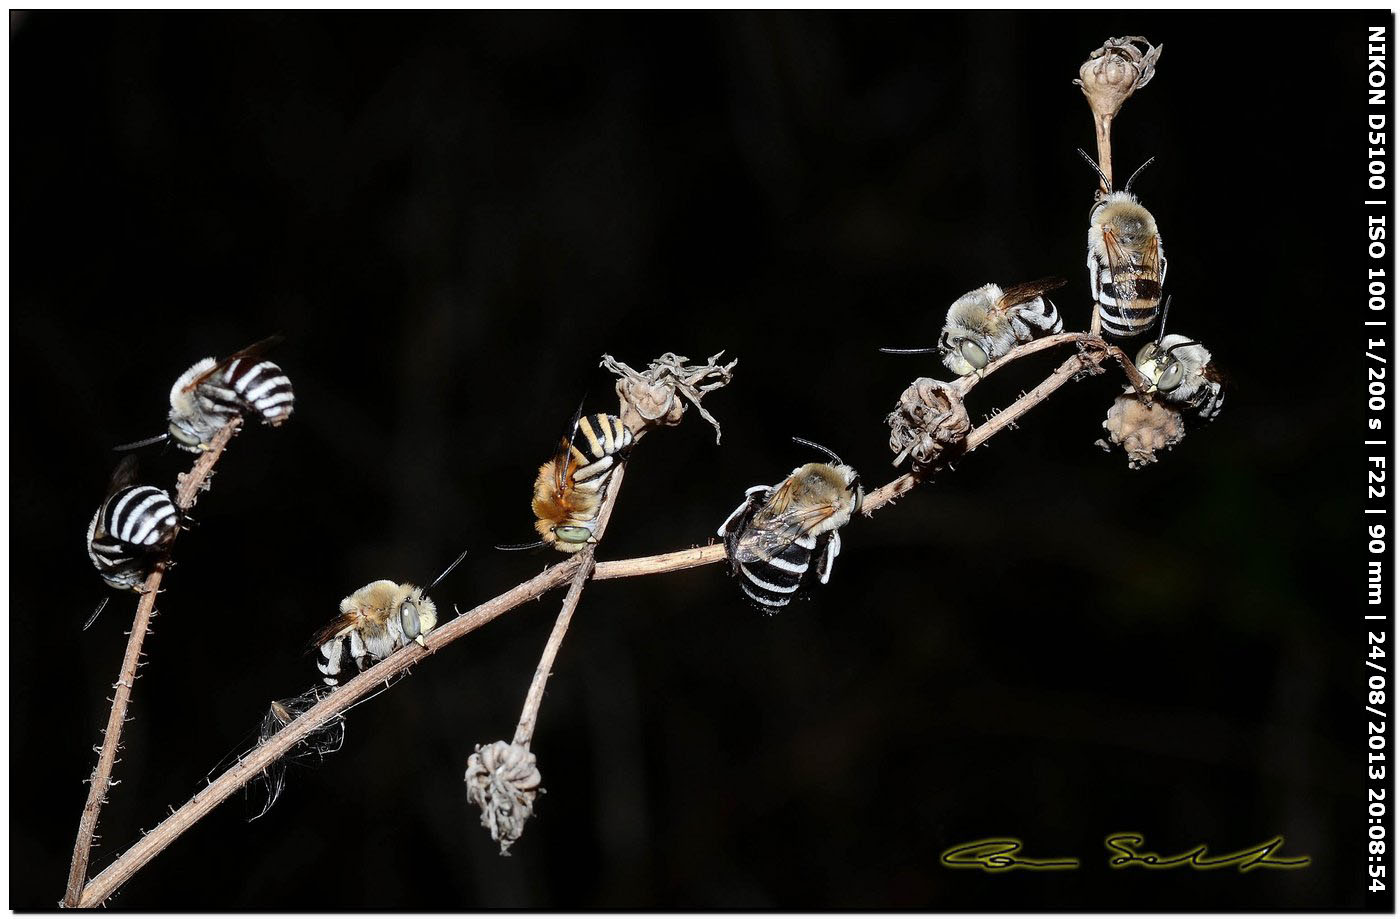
(259, 387)
(1035, 318)
(1128, 299)
(1209, 400)
(772, 583)
(130, 532)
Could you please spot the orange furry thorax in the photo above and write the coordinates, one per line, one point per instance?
(557, 504)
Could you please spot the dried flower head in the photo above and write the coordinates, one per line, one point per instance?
(1142, 428)
(652, 396)
(1115, 71)
(502, 780)
(929, 420)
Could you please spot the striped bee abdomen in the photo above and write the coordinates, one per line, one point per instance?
(259, 387)
(1128, 299)
(1038, 317)
(130, 532)
(772, 583)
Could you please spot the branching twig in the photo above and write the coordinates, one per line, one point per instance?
(191, 484)
(525, 728)
(574, 571)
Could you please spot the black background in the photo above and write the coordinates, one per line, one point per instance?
(450, 217)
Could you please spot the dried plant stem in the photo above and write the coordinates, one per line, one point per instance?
(1103, 128)
(191, 483)
(525, 728)
(133, 859)
(1092, 352)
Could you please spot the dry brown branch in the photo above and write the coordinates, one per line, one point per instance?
(1091, 354)
(190, 486)
(525, 728)
(1108, 78)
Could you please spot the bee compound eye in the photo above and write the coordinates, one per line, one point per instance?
(973, 354)
(573, 534)
(408, 618)
(1172, 378)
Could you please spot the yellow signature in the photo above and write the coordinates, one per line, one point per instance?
(997, 854)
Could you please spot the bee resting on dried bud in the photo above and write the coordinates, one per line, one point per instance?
(1142, 428)
(1115, 71)
(929, 421)
(502, 780)
(652, 396)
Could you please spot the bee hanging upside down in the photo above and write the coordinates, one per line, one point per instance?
(1127, 263)
(1183, 373)
(374, 622)
(772, 536)
(569, 489)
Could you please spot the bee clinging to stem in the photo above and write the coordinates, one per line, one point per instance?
(374, 622)
(212, 392)
(986, 323)
(570, 488)
(131, 531)
(1182, 372)
(771, 537)
(1127, 264)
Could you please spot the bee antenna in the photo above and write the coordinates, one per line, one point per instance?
(138, 444)
(1184, 344)
(97, 612)
(1095, 166)
(1162, 330)
(1132, 178)
(816, 446)
(448, 570)
(907, 350)
(521, 546)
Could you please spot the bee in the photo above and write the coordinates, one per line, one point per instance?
(569, 489)
(131, 531)
(1127, 264)
(374, 622)
(771, 537)
(211, 393)
(986, 323)
(1183, 373)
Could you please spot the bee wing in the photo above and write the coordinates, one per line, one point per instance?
(334, 629)
(252, 352)
(1017, 294)
(125, 474)
(1119, 257)
(775, 534)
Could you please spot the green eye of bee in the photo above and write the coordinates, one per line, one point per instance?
(408, 618)
(973, 354)
(573, 534)
(1172, 378)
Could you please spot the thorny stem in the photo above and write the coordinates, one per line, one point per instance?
(190, 485)
(1103, 127)
(1091, 354)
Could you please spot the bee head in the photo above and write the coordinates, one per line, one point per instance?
(182, 433)
(1167, 363)
(417, 615)
(963, 353)
(570, 537)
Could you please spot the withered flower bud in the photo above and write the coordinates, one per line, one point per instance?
(502, 780)
(1115, 71)
(1142, 428)
(929, 421)
(651, 397)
